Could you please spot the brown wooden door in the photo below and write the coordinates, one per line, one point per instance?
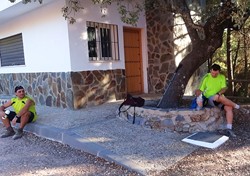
(133, 60)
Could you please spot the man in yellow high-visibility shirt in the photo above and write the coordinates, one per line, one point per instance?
(24, 112)
(213, 86)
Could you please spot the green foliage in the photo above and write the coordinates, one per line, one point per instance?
(130, 10)
(102, 1)
(239, 15)
(130, 16)
(73, 6)
(27, 1)
(240, 58)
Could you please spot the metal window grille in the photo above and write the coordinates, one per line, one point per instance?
(11, 51)
(102, 41)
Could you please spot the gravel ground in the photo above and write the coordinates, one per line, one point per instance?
(231, 158)
(149, 149)
(32, 155)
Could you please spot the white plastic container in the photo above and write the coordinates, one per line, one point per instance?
(7, 112)
(199, 102)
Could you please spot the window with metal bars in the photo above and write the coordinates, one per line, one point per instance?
(102, 41)
(11, 51)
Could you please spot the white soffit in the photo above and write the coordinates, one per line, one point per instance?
(18, 9)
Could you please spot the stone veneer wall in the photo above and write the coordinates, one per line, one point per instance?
(161, 63)
(97, 87)
(168, 44)
(50, 89)
(67, 90)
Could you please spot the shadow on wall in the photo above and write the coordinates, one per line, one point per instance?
(195, 80)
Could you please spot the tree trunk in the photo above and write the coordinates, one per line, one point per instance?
(245, 84)
(234, 61)
(229, 68)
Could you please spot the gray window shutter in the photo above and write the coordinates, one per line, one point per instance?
(11, 51)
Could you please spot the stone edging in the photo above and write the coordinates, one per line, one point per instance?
(182, 120)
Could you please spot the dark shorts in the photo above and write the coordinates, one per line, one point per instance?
(213, 103)
(12, 115)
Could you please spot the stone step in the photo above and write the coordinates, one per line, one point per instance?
(4, 99)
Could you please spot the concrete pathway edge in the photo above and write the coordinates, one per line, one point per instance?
(76, 141)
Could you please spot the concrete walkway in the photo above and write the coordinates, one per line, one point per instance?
(98, 131)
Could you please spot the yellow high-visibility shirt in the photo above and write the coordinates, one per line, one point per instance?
(18, 104)
(210, 85)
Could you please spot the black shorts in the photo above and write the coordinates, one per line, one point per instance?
(221, 106)
(12, 115)
(213, 103)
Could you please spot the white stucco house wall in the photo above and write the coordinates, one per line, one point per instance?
(57, 69)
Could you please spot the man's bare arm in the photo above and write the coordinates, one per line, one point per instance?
(25, 108)
(222, 91)
(5, 105)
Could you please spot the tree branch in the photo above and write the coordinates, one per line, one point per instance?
(195, 31)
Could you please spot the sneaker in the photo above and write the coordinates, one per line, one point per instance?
(226, 132)
(222, 132)
(230, 133)
(18, 134)
(8, 133)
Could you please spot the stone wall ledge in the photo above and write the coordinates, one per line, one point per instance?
(4, 99)
(180, 120)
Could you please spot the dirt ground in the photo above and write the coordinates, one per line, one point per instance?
(231, 158)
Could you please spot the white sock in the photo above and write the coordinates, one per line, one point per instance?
(237, 106)
(229, 126)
